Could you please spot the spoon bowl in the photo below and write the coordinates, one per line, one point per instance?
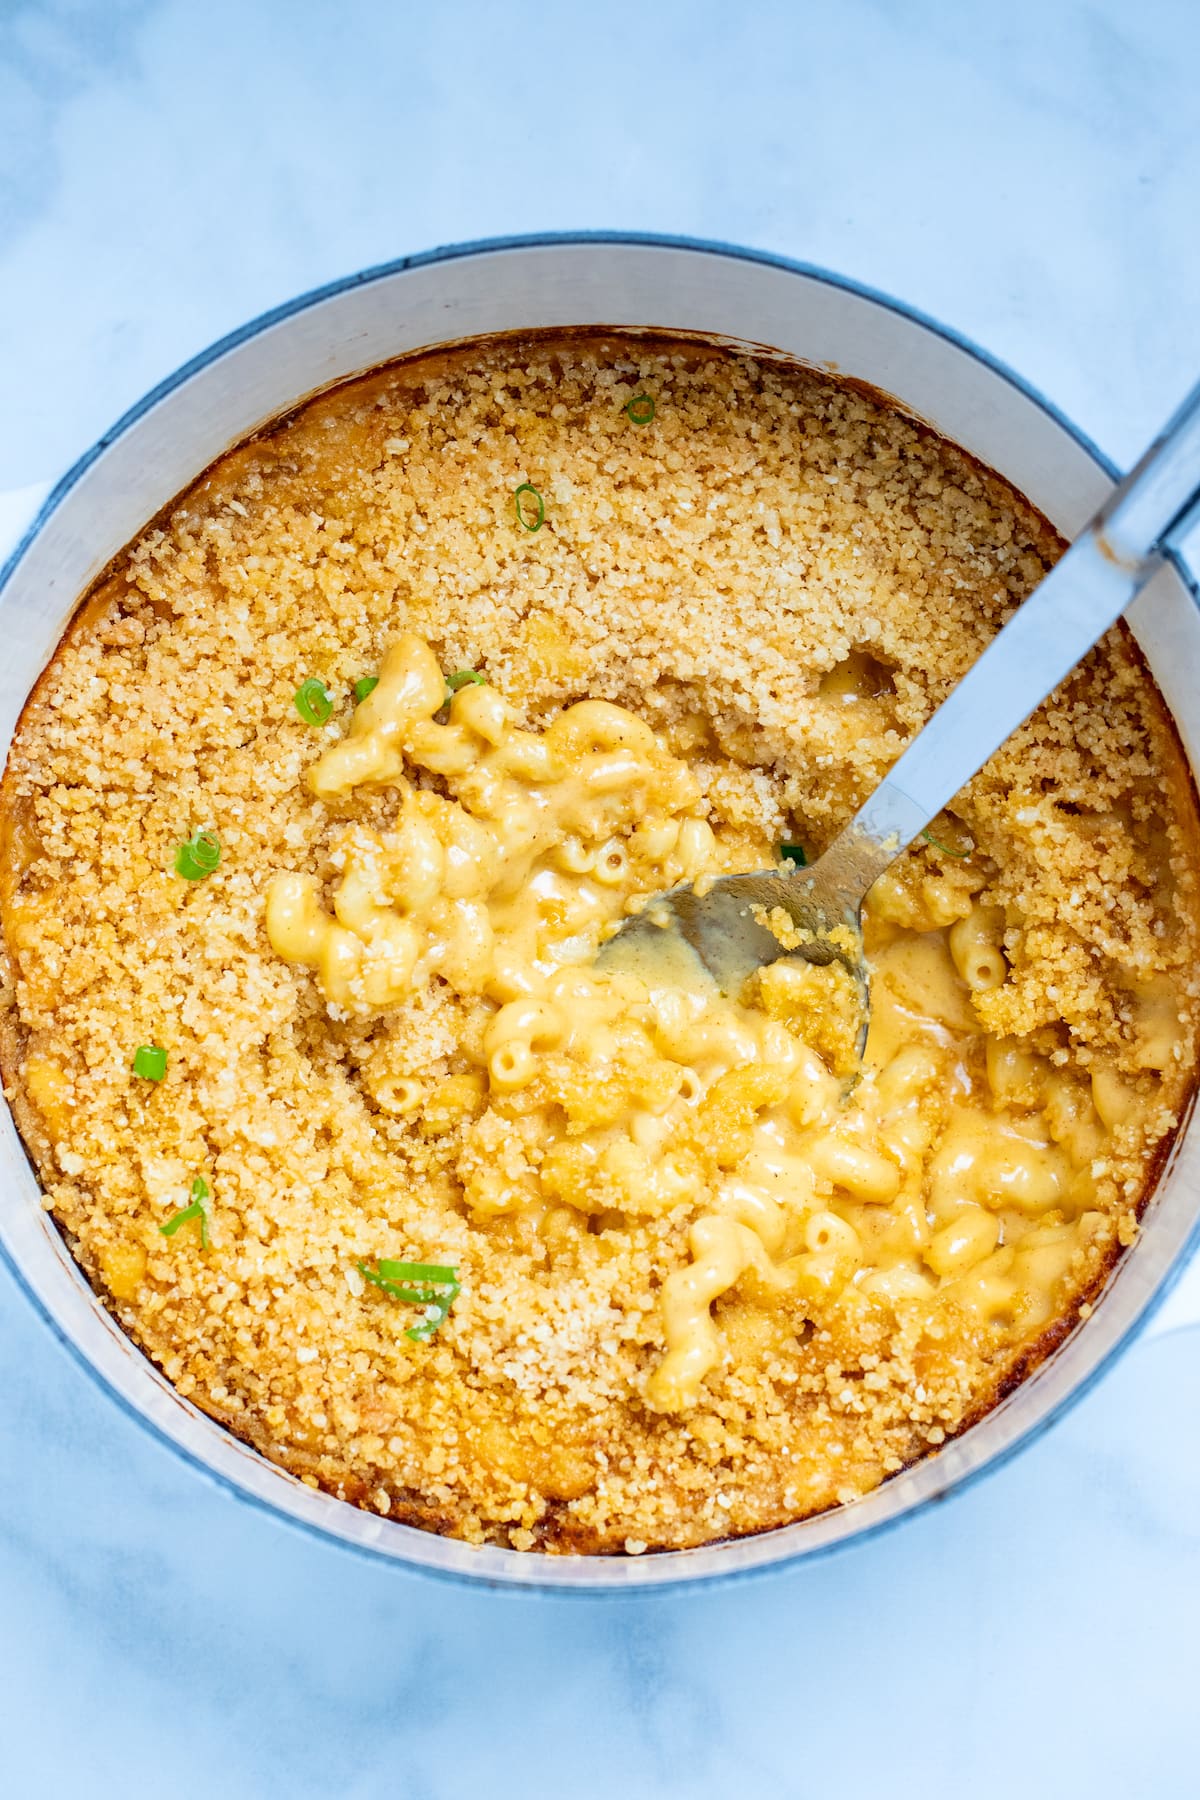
(731, 927)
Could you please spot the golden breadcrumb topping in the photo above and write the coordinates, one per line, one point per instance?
(781, 577)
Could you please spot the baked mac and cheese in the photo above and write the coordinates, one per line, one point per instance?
(313, 831)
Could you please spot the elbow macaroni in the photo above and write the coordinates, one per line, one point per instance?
(540, 845)
(958, 1175)
(975, 948)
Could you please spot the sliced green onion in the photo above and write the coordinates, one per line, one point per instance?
(436, 1314)
(958, 855)
(199, 856)
(431, 1285)
(150, 1062)
(365, 686)
(421, 1278)
(312, 702)
(527, 487)
(794, 853)
(198, 1209)
(438, 1273)
(463, 679)
(640, 410)
(183, 1217)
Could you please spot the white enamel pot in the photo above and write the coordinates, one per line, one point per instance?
(695, 289)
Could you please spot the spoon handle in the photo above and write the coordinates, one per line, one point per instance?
(1110, 561)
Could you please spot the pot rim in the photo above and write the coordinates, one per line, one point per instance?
(532, 1572)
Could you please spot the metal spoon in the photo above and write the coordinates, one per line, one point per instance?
(1111, 560)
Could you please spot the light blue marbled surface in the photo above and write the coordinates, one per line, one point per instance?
(1027, 173)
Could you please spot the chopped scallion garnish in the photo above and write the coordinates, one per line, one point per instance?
(464, 678)
(365, 686)
(431, 1285)
(312, 702)
(958, 855)
(640, 410)
(406, 1271)
(436, 1314)
(197, 1209)
(794, 853)
(199, 856)
(536, 510)
(150, 1062)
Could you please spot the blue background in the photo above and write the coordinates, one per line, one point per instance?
(1029, 174)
